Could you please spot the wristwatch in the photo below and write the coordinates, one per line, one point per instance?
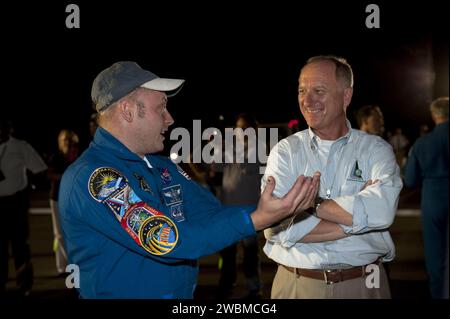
(316, 205)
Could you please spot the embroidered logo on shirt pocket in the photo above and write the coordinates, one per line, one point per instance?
(354, 181)
(356, 173)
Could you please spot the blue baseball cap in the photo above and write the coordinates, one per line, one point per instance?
(122, 78)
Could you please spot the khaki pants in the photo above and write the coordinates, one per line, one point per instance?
(287, 285)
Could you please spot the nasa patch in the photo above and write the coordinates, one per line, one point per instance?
(165, 176)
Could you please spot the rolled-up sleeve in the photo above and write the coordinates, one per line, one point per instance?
(374, 207)
(279, 165)
(292, 230)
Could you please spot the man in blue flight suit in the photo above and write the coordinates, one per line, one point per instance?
(427, 166)
(134, 223)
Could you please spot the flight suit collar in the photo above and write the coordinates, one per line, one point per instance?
(107, 142)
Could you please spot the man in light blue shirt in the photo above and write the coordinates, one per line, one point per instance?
(331, 250)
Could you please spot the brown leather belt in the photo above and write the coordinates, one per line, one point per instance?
(331, 276)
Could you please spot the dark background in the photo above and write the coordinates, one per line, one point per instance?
(235, 56)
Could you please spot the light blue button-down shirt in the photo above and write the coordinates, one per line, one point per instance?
(352, 160)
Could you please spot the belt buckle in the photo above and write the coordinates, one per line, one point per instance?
(326, 272)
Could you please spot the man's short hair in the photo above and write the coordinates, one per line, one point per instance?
(439, 107)
(344, 71)
(366, 111)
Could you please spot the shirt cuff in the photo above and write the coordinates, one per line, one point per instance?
(242, 220)
(294, 233)
(354, 206)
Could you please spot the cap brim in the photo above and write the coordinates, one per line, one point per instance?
(172, 86)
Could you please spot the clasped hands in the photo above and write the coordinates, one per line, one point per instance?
(272, 209)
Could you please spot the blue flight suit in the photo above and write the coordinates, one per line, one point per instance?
(427, 166)
(136, 231)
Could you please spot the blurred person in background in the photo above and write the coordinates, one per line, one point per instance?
(427, 166)
(67, 153)
(399, 143)
(370, 119)
(241, 184)
(16, 158)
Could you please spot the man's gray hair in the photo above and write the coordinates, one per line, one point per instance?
(439, 107)
(344, 71)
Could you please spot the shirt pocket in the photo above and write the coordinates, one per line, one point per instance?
(356, 177)
(352, 187)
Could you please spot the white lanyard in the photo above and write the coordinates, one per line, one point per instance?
(330, 185)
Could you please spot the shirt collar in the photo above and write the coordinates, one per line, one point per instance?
(347, 138)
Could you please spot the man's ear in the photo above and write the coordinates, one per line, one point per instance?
(348, 93)
(126, 110)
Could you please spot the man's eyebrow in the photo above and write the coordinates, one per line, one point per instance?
(163, 103)
(314, 85)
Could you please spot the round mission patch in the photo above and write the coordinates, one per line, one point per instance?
(158, 235)
(104, 182)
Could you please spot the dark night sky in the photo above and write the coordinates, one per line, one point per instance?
(235, 58)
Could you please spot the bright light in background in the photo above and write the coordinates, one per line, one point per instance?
(173, 156)
(221, 117)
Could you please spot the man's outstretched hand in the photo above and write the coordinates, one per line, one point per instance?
(271, 209)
